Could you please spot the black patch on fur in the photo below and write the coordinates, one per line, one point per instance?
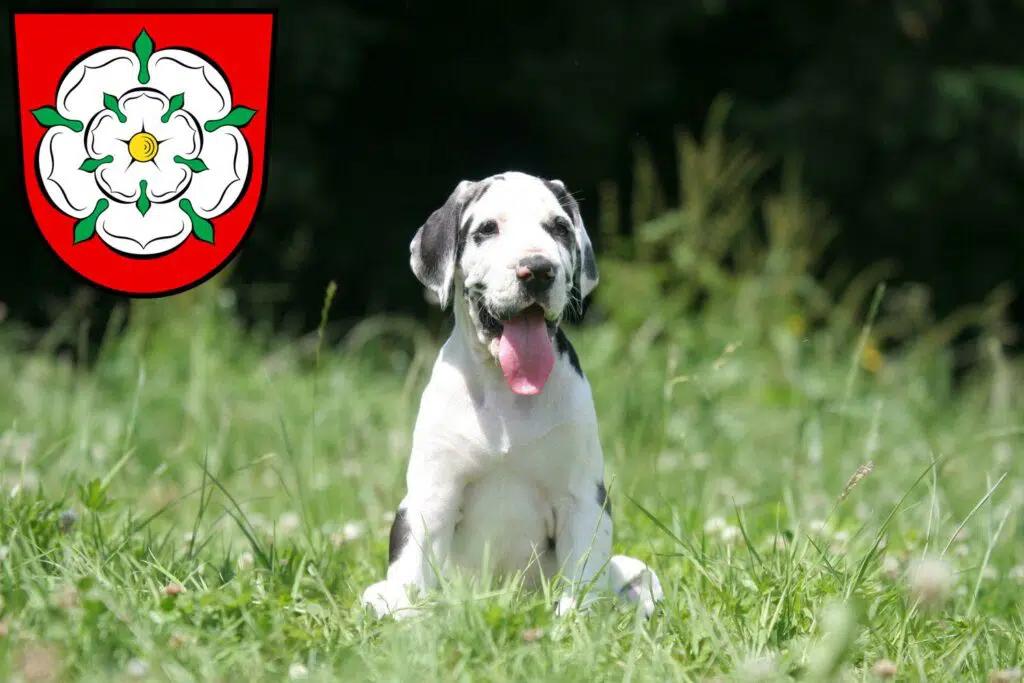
(552, 541)
(561, 231)
(488, 321)
(438, 244)
(472, 197)
(477, 192)
(563, 345)
(442, 239)
(602, 499)
(399, 536)
(574, 311)
(486, 231)
(562, 195)
(589, 262)
(584, 260)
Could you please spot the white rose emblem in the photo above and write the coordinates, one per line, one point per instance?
(143, 147)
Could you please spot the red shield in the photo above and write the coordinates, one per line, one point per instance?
(144, 140)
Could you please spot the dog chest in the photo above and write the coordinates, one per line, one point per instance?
(477, 430)
(506, 522)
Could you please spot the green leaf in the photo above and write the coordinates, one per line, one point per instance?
(143, 48)
(94, 496)
(49, 117)
(177, 102)
(197, 165)
(167, 602)
(143, 203)
(237, 117)
(110, 102)
(86, 228)
(90, 165)
(201, 228)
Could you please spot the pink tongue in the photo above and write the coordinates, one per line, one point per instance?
(525, 353)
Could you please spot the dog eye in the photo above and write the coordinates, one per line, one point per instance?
(488, 228)
(561, 226)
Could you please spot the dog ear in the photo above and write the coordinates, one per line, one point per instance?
(433, 250)
(587, 262)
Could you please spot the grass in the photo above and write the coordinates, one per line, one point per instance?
(820, 501)
(205, 505)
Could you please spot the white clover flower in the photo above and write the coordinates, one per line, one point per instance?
(714, 525)
(288, 522)
(931, 581)
(667, 462)
(1006, 676)
(245, 561)
(353, 530)
(349, 531)
(143, 147)
(700, 461)
(136, 668)
(731, 535)
(762, 668)
(818, 527)
(891, 566)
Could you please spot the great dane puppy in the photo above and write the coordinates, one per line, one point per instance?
(506, 472)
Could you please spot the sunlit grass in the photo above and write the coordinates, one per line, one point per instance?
(200, 505)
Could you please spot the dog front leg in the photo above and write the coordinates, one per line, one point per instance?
(421, 536)
(583, 548)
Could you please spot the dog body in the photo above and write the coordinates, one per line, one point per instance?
(506, 471)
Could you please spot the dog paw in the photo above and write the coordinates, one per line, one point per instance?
(565, 605)
(644, 591)
(569, 603)
(636, 583)
(646, 605)
(388, 599)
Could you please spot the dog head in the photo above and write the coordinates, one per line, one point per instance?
(516, 249)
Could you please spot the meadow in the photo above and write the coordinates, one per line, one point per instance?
(822, 499)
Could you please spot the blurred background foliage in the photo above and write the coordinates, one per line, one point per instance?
(777, 161)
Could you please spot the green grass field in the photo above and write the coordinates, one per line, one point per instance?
(202, 505)
(207, 503)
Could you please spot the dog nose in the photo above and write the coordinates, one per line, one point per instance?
(536, 273)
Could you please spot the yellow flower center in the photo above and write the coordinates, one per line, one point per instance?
(143, 147)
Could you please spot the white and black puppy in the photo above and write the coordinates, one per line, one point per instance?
(506, 472)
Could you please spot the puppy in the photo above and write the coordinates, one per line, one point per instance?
(506, 473)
